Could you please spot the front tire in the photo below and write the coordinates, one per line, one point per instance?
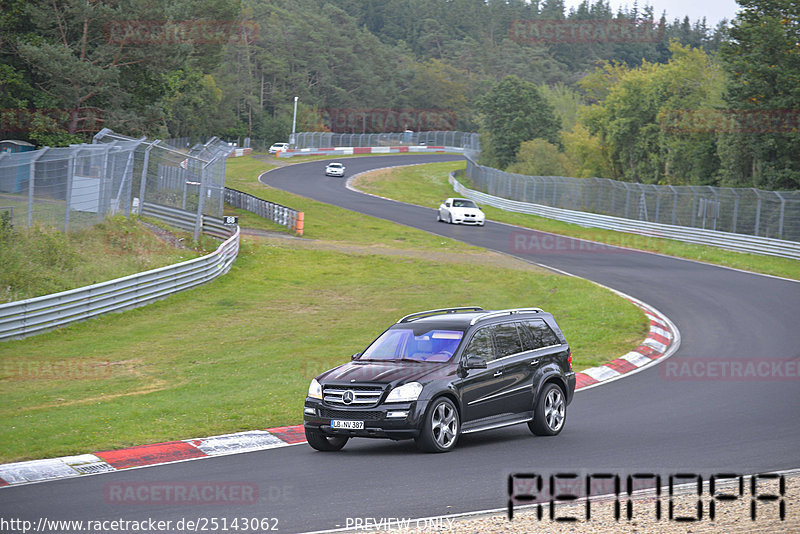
(550, 412)
(324, 443)
(441, 427)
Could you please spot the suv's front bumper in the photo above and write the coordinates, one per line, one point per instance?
(318, 416)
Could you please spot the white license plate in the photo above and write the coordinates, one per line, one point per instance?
(347, 425)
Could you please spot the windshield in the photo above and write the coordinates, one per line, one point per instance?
(464, 204)
(335, 165)
(406, 344)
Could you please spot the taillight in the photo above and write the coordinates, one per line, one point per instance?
(569, 359)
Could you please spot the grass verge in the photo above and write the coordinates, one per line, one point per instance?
(237, 354)
(427, 185)
(323, 221)
(40, 260)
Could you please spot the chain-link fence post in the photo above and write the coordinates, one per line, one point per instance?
(31, 183)
(198, 222)
(780, 216)
(71, 161)
(758, 212)
(143, 183)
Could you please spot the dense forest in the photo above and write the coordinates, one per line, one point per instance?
(589, 91)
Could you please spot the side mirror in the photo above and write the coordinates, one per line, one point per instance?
(475, 362)
(354, 356)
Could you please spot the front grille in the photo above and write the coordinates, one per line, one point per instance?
(327, 413)
(361, 395)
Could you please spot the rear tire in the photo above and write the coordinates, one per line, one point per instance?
(441, 427)
(325, 443)
(550, 413)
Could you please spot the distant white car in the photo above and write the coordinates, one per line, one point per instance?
(461, 211)
(278, 146)
(334, 169)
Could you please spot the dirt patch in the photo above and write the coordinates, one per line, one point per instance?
(166, 236)
(485, 258)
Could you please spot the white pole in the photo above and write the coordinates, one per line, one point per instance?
(294, 122)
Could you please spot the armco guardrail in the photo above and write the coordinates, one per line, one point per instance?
(726, 240)
(34, 315)
(736, 210)
(186, 220)
(285, 216)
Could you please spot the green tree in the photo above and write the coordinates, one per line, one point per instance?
(74, 57)
(762, 58)
(628, 119)
(540, 158)
(585, 153)
(513, 111)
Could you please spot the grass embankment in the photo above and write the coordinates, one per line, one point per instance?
(39, 260)
(427, 186)
(237, 354)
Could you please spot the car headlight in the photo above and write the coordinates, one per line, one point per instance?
(315, 390)
(405, 393)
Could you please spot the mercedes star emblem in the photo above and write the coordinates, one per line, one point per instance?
(348, 396)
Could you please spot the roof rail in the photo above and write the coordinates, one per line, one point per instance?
(512, 311)
(443, 311)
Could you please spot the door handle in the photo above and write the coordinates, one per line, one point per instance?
(498, 373)
(534, 362)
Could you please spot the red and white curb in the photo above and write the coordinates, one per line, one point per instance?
(661, 342)
(149, 455)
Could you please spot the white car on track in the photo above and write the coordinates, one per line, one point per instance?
(334, 169)
(276, 147)
(461, 211)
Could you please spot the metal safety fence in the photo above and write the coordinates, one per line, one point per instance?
(726, 240)
(285, 216)
(466, 140)
(77, 186)
(770, 214)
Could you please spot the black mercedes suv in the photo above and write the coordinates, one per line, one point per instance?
(437, 374)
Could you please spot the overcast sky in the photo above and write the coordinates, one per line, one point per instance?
(712, 10)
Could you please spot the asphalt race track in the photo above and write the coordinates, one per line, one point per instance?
(647, 422)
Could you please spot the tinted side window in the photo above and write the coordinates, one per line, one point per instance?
(481, 345)
(536, 334)
(507, 340)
